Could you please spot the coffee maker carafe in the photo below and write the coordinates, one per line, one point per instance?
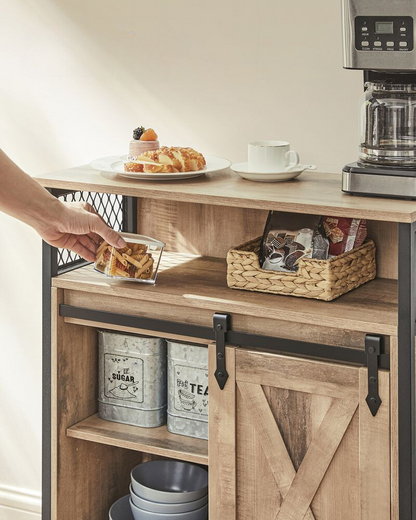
(378, 38)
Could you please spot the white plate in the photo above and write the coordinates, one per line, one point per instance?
(115, 164)
(242, 169)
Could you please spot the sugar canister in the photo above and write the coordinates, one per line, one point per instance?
(132, 379)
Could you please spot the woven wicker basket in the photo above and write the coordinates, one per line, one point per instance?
(319, 279)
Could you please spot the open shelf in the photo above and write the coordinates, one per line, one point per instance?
(199, 284)
(156, 441)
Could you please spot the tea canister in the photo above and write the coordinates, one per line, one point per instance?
(188, 389)
(132, 379)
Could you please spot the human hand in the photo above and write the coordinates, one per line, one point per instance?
(79, 228)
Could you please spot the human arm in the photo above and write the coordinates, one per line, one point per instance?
(74, 226)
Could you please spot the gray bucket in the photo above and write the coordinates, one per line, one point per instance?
(188, 389)
(132, 379)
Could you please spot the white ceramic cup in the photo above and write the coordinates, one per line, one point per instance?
(271, 157)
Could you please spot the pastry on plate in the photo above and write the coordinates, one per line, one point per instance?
(143, 141)
(166, 160)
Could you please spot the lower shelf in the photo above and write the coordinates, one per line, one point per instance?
(156, 441)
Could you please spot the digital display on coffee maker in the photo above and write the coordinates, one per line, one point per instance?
(384, 28)
(384, 33)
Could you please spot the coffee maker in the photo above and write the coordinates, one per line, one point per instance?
(378, 38)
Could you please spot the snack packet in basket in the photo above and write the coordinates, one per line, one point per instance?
(287, 238)
(344, 233)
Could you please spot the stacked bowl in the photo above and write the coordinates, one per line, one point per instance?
(165, 489)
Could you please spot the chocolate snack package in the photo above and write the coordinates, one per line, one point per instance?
(320, 249)
(344, 233)
(286, 239)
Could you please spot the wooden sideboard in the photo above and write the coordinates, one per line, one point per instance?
(291, 435)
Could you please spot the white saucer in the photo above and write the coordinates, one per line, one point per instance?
(242, 169)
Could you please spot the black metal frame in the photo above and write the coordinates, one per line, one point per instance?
(50, 269)
(406, 371)
(406, 352)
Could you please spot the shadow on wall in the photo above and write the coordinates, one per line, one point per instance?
(20, 388)
(213, 75)
(18, 104)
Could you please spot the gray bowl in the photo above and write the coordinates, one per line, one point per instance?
(156, 507)
(121, 510)
(169, 481)
(141, 514)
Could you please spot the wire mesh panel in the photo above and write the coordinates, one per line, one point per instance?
(109, 206)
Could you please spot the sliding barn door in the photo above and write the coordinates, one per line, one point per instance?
(293, 439)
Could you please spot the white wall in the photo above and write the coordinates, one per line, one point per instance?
(77, 76)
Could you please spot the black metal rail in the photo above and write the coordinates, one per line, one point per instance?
(232, 337)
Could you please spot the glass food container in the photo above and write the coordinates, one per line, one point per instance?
(138, 262)
(388, 124)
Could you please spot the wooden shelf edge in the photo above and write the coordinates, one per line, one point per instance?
(155, 441)
(316, 194)
(208, 292)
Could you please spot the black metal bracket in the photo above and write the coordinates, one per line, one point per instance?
(221, 327)
(130, 215)
(373, 351)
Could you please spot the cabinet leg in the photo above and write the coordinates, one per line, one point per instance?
(406, 372)
(50, 269)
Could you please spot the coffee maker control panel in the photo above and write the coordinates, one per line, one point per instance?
(384, 33)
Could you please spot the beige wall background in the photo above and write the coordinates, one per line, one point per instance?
(76, 76)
